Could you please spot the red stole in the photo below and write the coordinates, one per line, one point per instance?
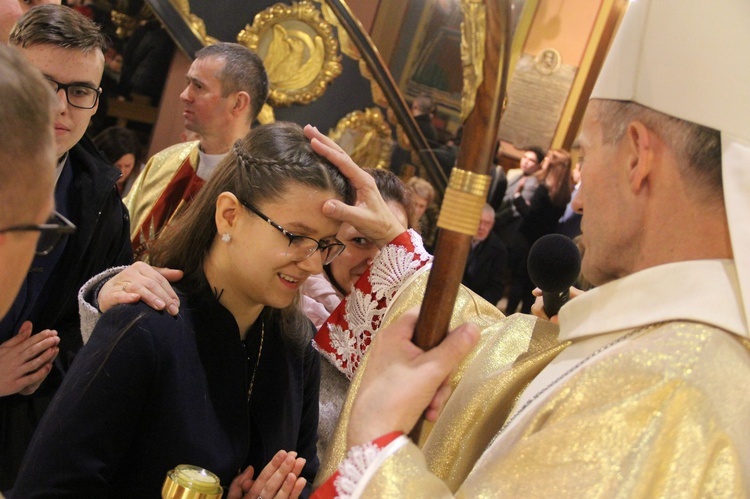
(176, 196)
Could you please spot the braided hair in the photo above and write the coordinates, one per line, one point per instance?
(259, 169)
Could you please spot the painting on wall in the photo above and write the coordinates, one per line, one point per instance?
(430, 47)
(433, 65)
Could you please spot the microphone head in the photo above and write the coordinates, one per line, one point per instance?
(554, 263)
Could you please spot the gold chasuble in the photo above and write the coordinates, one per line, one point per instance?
(467, 425)
(645, 392)
(163, 188)
(648, 406)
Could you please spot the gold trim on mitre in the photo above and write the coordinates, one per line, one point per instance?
(366, 137)
(298, 50)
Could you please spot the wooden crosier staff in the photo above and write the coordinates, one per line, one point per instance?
(485, 44)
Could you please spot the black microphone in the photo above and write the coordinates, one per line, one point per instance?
(554, 265)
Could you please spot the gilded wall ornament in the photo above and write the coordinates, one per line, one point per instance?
(548, 61)
(473, 35)
(347, 45)
(298, 49)
(126, 24)
(366, 137)
(266, 115)
(196, 24)
(378, 97)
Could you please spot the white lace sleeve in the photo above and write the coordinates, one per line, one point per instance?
(360, 463)
(347, 333)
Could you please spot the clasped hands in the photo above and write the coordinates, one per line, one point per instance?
(26, 360)
(280, 479)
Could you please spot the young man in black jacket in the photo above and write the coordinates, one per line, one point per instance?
(69, 51)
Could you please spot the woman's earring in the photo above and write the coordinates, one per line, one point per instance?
(226, 237)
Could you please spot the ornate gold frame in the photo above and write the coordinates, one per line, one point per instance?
(283, 34)
(195, 23)
(366, 137)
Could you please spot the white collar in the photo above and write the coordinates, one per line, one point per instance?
(703, 291)
(207, 163)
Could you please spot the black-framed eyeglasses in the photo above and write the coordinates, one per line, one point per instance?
(303, 247)
(78, 95)
(51, 232)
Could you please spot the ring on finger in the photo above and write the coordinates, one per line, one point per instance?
(124, 285)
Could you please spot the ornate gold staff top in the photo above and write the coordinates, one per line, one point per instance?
(485, 44)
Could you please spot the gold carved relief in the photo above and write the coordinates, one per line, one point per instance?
(473, 35)
(366, 137)
(378, 97)
(126, 24)
(298, 49)
(266, 115)
(197, 26)
(347, 45)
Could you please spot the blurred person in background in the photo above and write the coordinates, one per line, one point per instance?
(123, 149)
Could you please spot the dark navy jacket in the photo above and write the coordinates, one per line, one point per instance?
(151, 391)
(101, 241)
(485, 267)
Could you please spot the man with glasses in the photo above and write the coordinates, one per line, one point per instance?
(26, 182)
(69, 51)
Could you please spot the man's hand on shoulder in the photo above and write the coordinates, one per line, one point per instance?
(138, 282)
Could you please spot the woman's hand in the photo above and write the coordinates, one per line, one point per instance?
(279, 479)
(370, 214)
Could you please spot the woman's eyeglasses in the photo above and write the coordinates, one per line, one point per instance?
(303, 247)
(51, 232)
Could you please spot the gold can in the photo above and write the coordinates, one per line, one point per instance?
(191, 482)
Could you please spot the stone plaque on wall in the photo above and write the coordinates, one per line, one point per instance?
(537, 94)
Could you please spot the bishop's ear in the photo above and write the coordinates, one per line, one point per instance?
(639, 144)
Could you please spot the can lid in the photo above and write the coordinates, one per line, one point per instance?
(191, 482)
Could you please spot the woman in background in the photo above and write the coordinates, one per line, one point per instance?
(122, 148)
(322, 293)
(540, 215)
(423, 196)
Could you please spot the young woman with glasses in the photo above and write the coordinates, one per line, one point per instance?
(231, 381)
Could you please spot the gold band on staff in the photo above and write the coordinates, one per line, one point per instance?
(463, 201)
